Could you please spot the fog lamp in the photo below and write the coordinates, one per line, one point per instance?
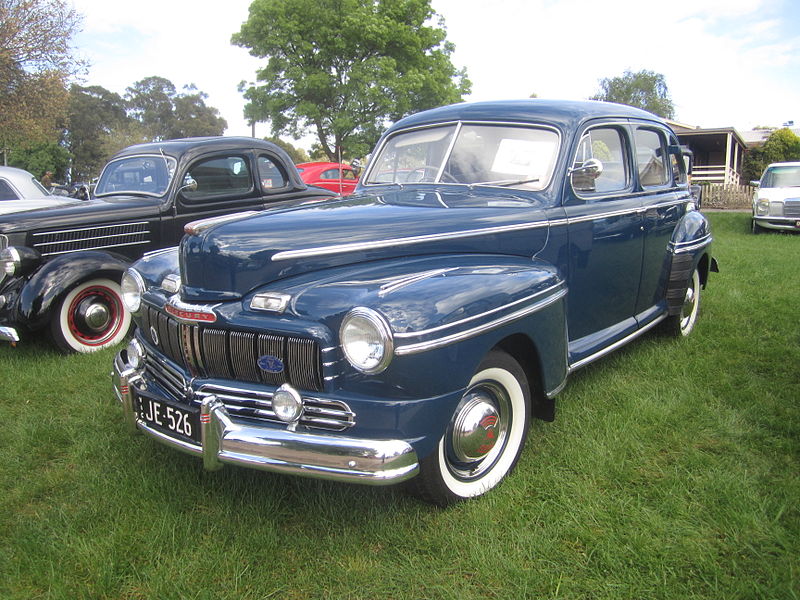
(287, 404)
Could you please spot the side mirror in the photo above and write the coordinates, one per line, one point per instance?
(755, 183)
(590, 168)
(189, 184)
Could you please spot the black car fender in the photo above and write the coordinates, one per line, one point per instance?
(54, 278)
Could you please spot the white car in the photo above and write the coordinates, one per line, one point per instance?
(19, 190)
(776, 202)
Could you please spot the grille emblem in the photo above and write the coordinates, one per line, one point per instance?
(270, 364)
(154, 335)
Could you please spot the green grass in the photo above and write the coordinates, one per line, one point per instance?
(671, 472)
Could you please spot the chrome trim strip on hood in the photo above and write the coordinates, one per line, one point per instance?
(407, 241)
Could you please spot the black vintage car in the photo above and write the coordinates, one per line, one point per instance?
(60, 267)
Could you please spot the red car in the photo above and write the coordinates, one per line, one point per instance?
(337, 177)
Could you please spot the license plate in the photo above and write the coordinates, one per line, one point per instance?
(171, 418)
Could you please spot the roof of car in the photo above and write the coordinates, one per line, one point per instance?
(23, 181)
(181, 146)
(558, 112)
(308, 165)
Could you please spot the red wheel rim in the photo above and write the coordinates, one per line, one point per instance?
(97, 294)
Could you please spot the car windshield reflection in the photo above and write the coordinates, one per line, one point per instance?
(471, 154)
(138, 175)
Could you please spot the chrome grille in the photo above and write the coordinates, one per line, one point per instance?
(791, 208)
(318, 413)
(211, 352)
(91, 238)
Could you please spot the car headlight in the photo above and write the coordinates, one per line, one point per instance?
(366, 340)
(762, 207)
(132, 286)
(16, 261)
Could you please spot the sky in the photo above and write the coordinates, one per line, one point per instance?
(727, 63)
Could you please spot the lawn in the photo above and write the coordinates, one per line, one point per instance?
(671, 471)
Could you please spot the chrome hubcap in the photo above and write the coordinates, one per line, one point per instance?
(95, 315)
(479, 431)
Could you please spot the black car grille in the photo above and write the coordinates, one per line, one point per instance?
(318, 413)
(211, 352)
(50, 243)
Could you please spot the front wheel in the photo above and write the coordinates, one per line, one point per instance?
(484, 438)
(90, 317)
(682, 324)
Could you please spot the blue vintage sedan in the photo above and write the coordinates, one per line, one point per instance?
(412, 330)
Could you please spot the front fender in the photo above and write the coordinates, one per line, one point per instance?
(56, 276)
(447, 312)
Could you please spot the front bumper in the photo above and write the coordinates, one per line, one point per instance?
(778, 223)
(227, 440)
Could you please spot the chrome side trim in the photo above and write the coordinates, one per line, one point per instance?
(410, 334)
(388, 288)
(419, 239)
(609, 349)
(457, 337)
(691, 246)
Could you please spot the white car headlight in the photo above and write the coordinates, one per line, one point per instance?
(762, 206)
(132, 286)
(366, 340)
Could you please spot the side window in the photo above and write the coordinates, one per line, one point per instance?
(270, 174)
(220, 176)
(600, 165)
(6, 193)
(330, 174)
(651, 158)
(348, 174)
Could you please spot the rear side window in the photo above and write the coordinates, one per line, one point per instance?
(600, 165)
(6, 193)
(220, 176)
(651, 158)
(270, 175)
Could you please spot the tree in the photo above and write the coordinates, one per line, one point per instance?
(36, 60)
(166, 114)
(646, 90)
(782, 145)
(298, 155)
(343, 68)
(95, 114)
(42, 158)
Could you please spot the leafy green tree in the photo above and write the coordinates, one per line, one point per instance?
(298, 155)
(343, 68)
(95, 114)
(42, 158)
(165, 114)
(645, 89)
(782, 145)
(36, 60)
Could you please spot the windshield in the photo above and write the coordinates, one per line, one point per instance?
(776, 177)
(495, 155)
(141, 175)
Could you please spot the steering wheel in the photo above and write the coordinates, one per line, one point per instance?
(423, 170)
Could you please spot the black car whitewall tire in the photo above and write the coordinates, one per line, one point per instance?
(90, 317)
(485, 437)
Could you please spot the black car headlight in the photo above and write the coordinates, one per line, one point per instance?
(16, 261)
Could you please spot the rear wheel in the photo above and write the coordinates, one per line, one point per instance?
(90, 317)
(682, 324)
(484, 438)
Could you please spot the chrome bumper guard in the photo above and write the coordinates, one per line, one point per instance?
(9, 334)
(224, 440)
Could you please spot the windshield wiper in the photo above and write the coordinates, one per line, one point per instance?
(505, 182)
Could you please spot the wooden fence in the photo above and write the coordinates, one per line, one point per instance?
(727, 196)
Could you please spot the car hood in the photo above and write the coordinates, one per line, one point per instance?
(780, 193)
(228, 260)
(67, 212)
(15, 206)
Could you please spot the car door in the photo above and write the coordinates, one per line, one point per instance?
(604, 221)
(662, 179)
